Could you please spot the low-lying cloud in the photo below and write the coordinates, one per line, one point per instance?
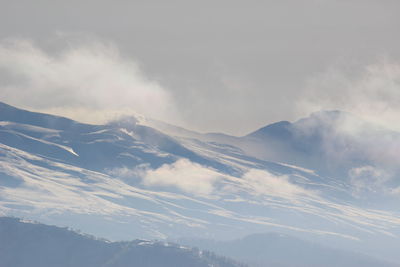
(89, 81)
(262, 182)
(185, 175)
(193, 178)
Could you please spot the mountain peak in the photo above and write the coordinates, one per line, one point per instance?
(275, 129)
(282, 128)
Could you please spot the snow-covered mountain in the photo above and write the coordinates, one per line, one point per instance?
(329, 178)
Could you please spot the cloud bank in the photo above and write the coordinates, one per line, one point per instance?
(372, 92)
(92, 81)
(89, 81)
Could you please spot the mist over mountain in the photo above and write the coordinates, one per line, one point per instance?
(329, 178)
(331, 142)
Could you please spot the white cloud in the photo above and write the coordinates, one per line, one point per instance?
(88, 81)
(262, 182)
(372, 92)
(200, 180)
(185, 175)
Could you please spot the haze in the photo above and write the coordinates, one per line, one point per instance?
(207, 66)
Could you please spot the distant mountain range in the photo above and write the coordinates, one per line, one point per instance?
(274, 249)
(331, 178)
(29, 244)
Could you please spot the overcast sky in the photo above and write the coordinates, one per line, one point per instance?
(226, 66)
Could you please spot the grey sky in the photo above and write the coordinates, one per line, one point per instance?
(230, 66)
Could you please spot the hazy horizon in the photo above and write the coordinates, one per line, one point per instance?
(205, 66)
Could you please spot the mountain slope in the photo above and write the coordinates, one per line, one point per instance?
(126, 142)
